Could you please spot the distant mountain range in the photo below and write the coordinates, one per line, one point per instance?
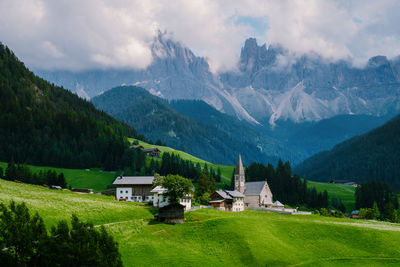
(305, 103)
(191, 125)
(270, 85)
(371, 156)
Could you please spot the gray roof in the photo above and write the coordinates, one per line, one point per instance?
(235, 193)
(134, 180)
(254, 188)
(223, 194)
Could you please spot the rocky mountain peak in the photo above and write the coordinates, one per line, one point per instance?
(377, 61)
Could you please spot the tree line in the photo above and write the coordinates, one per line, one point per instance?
(23, 173)
(375, 200)
(287, 187)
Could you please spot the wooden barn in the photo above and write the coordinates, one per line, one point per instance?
(172, 213)
(152, 152)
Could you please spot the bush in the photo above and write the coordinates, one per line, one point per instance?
(325, 212)
(24, 241)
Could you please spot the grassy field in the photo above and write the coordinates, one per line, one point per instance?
(216, 238)
(344, 192)
(94, 179)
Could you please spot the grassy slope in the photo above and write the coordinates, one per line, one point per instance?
(344, 192)
(214, 238)
(94, 178)
(226, 171)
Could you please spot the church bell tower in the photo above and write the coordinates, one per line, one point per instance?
(240, 183)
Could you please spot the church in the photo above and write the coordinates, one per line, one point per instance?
(256, 194)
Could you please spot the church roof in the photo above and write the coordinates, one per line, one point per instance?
(254, 188)
(239, 167)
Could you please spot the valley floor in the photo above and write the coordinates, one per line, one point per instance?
(216, 238)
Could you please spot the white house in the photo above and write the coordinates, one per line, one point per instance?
(159, 200)
(237, 200)
(134, 188)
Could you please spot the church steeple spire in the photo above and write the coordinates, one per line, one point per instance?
(239, 176)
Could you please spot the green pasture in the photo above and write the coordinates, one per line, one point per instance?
(217, 238)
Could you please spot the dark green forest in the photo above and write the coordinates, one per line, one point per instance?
(371, 156)
(41, 123)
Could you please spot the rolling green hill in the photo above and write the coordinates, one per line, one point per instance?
(371, 156)
(216, 238)
(226, 170)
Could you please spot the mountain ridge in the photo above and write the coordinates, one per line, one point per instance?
(270, 85)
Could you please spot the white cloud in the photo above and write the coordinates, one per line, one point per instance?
(75, 35)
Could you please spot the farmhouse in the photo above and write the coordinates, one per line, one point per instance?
(256, 194)
(345, 182)
(227, 200)
(159, 200)
(134, 188)
(152, 152)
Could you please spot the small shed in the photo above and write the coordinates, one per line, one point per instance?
(354, 214)
(172, 213)
(278, 205)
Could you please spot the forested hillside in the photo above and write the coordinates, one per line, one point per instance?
(372, 156)
(41, 123)
(154, 118)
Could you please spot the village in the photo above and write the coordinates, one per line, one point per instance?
(246, 195)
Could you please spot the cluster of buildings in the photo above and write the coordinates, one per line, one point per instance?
(246, 195)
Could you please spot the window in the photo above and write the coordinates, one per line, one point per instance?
(126, 191)
(121, 191)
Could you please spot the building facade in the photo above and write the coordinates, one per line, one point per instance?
(134, 188)
(227, 200)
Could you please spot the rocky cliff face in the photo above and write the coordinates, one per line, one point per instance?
(271, 85)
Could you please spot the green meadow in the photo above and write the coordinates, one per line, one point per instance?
(216, 238)
(94, 178)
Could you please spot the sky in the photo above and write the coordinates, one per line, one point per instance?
(78, 35)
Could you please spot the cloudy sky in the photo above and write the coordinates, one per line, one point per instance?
(76, 35)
